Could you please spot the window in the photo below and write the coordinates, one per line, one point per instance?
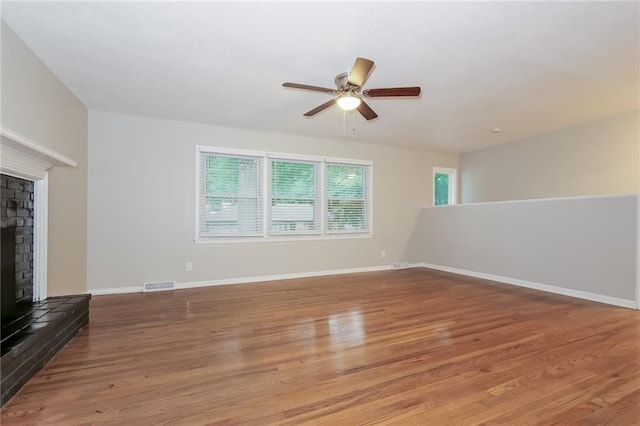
(294, 197)
(346, 198)
(230, 195)
(444, 186)
(258, 196)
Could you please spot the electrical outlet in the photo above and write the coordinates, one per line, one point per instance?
(189, 266)
(383, 254)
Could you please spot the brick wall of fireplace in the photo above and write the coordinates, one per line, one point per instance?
(16, 210)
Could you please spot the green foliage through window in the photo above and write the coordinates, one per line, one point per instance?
(231, 198)
(442, 189)
(293, 196)
(345, 197)
(292, 179)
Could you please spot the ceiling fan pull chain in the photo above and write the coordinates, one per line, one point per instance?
(344, 124)
(353, 125)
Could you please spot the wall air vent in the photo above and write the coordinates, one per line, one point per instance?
(400, 265)
(159, 286)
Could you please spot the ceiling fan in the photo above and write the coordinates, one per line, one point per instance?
(350, 93)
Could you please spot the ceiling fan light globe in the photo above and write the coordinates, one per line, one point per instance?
(348, 102)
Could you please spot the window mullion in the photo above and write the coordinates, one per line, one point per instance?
(198, 192)
(322, 197)
(368, 193)
(266, 196)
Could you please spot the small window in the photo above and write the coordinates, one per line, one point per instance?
(444, 186)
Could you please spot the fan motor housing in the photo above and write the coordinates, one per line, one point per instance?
(342, 80)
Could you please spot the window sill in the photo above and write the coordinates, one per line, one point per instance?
(282, 238)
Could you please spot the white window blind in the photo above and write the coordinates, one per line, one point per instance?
(244, 195)
(294, 201)
(230, 195)
(347, 192)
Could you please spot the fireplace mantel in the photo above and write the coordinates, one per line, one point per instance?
(25, 158)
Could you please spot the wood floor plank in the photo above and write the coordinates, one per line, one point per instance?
(398, 347)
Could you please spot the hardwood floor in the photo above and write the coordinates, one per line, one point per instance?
(410, 347)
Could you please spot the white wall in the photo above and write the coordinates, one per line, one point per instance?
(599, 158)
(37, 105)
(581, 244)
(576, 245)
(141, 204)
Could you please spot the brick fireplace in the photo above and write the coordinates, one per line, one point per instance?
(34, 327)
(16, 222)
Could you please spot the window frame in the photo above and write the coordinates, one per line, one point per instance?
(318, 177)
(368, 206)
(266, 193)
(453, 185)
(258, 197)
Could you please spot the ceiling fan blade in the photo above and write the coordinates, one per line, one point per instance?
(307, 87)
(360, 71)
(392, 91)
(320, 108)
(366, 111)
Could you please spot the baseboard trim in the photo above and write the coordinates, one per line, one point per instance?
(114, 290)
(415, 265)
(625, 303)
(266, 278)
(245, 280)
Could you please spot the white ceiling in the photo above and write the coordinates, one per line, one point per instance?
(525, 67)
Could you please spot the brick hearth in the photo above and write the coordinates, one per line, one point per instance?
(36, 334)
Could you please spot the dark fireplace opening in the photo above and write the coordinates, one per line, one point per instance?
(8, 278)
(16, 232)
